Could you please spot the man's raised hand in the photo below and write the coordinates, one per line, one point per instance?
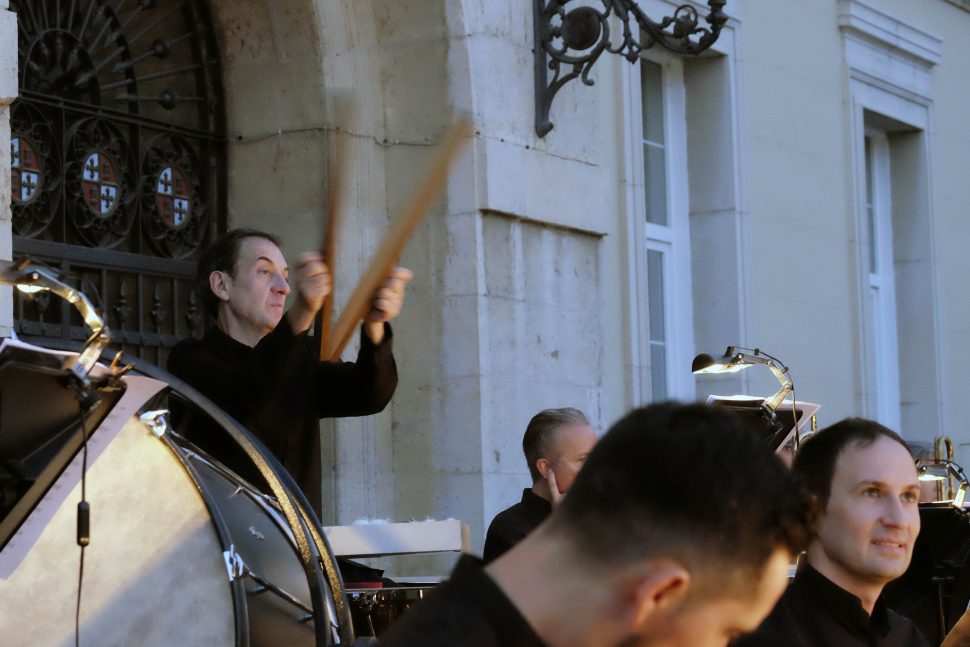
(387, 303)
(312, 281)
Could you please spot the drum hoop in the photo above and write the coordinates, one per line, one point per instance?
(260, 499)
(320, 568)
(189, 451)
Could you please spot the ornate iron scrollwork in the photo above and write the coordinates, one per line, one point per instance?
(118, 156)
(570, 42)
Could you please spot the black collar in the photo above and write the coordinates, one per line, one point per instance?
(535, 503)
(216, 338)
(841, 605)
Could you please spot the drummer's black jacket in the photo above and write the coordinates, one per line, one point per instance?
(816, 612)
(279, 390)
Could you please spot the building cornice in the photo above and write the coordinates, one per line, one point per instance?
(859, 19)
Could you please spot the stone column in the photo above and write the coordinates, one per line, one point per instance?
(8, 92)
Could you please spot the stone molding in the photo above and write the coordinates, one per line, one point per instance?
(887, 32)
(883, 50)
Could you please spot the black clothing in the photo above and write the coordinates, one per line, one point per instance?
(510, 526)
(816, 612)
(468, 610)
(279, 390)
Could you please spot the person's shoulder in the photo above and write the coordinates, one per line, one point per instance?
(781, 627)
(509, 514)
(188, 344)
(184, 351)
(445, 618)
(511, 524)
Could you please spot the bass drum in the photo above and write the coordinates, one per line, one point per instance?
(182, 552)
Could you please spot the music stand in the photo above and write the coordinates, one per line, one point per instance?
(776, 432)
(40, 428)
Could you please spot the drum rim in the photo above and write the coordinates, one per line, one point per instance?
(311, 544)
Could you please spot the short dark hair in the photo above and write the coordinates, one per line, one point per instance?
(689, 483)
(815, 462)
(538, 439)
(221, 255)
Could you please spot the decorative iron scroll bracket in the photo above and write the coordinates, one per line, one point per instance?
(568, 43)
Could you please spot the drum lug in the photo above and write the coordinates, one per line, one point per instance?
(234, 563)
(237, 568)
(156, 421)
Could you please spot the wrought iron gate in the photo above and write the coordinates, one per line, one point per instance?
(117, 163)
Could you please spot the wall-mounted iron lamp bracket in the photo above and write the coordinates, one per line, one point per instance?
(568, 43)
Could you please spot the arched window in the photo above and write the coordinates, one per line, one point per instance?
(118, 163)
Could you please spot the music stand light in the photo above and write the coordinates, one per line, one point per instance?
(31, 278)
(737, 358)
(941, 470)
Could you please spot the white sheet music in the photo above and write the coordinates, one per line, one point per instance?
(97, 371)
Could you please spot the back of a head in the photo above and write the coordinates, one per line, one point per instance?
(221, 255)
(815, 463)
(685, 482)
(540, 433)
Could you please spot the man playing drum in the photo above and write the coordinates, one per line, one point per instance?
(257, 364)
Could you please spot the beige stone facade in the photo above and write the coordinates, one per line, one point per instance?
(531, 281)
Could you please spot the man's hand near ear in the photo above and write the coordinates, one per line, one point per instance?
(555, 496)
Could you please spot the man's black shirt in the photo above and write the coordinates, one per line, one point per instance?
(468, 610)
(816, 612)
(510, 526)
(279, 390)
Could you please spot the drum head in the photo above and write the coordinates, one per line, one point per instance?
(153, 574)
(182, 551)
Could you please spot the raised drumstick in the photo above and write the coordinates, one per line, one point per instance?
(397, 237)
(336, 161)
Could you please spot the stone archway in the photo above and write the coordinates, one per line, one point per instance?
(281, 63)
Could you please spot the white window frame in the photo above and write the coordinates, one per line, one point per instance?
(672, 240)
(883, 352)
(890, 68)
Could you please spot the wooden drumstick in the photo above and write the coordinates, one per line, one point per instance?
(335, 164)
(397, 237)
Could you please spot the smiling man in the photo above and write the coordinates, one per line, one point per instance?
(676, 533)
(863, 479)
(258, 365)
